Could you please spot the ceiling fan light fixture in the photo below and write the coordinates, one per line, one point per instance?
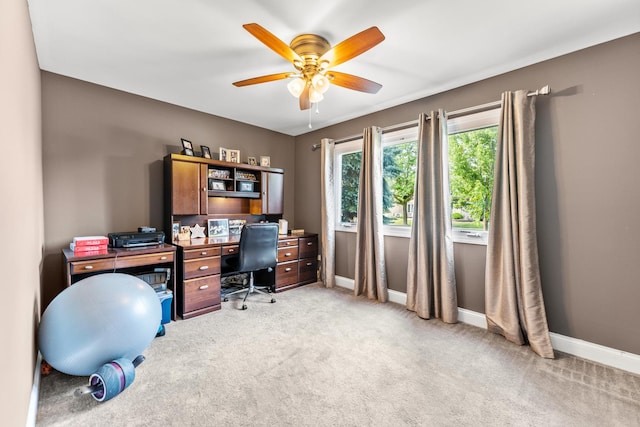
(296, 86)
(320, 83)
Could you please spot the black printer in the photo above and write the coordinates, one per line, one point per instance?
(131, 239)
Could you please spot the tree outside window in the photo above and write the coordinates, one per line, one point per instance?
(471, 161)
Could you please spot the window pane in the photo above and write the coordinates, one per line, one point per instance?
(471, 161)
(399, 177)
(350, 180)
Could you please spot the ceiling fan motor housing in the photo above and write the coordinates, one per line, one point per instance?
(310, 47)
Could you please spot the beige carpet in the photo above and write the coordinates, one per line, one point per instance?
(322, 357)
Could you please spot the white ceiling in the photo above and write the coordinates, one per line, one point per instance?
(188, 52)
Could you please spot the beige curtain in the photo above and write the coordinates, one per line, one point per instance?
(431, 283)
(513, 292)
(328, 235)
(370, 274)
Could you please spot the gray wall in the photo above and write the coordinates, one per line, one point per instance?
(21, 216)
(587, 190)
(103, 152)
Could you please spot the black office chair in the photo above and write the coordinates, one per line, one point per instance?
(258, 251)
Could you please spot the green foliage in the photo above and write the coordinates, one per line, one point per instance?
(471, 160)
(398, 165)
(400, 174)
(350, 184)
(457, 215)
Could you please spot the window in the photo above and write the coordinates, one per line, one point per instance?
(472, 142)
(472, 153)
(399, 151)
(348, 156)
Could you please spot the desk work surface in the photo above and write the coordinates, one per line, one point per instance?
(70, 255)
(229, 240)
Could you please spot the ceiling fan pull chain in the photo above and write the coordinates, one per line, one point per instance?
(310, 127)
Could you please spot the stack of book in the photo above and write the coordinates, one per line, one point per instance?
(89, 245)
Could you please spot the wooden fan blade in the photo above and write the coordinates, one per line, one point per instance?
(353, 82)
(353, 46)
(272, 42)
(262, 79)
(305, 104)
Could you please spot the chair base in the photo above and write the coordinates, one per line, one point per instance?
(250, 289)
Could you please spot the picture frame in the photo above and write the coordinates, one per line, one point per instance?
(252, 161)
(218, 227)
(185, 233)
(223, 154)
(216, 185)
(206, 153)
(265, 161)
(187, 147)
(235, 226)
(175, 230)
(233, 156)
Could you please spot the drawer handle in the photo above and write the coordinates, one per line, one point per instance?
(287, 254)
(203, 287)
(309, 243)
(204, 267)
(288, 243)
(88, 267)
(309, 264)
(203, 253)
(231, 250)
(288, 269)
(162, 258)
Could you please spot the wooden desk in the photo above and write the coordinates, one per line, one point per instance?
(121, 260)
(201, 263)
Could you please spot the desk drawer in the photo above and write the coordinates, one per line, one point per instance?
(138, 260)
(284, 243)
(230, 249)
(308, 247)
(89, 266)
(286, 274)
(202, 252)
(308, 270)
(287, 254)
(201, 293)
(201, 267)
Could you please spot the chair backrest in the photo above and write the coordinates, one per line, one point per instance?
(258, 247)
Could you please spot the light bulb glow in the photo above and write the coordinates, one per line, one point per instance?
(296, 86)
(320, 83)
(314, 95)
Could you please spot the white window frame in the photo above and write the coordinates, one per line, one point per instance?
(339, 150)
(469, 122)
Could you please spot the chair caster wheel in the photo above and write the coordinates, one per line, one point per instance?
(273, 300)
(225, 299)
(244, 306)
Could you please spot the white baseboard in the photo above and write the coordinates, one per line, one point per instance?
(597, 353)
(35, 390)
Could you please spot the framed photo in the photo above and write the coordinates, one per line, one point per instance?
(175, 230)
(218, 227)
(187, 147)
(252, 161)
(223, 154)
(206, 153)
(233, 156)
(265, 161)
(216, 185)
(235, 226)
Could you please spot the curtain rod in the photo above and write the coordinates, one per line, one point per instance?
(545, 90)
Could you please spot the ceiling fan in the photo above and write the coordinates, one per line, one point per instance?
(313, 58)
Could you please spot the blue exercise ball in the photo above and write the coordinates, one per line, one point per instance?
(99, 319)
